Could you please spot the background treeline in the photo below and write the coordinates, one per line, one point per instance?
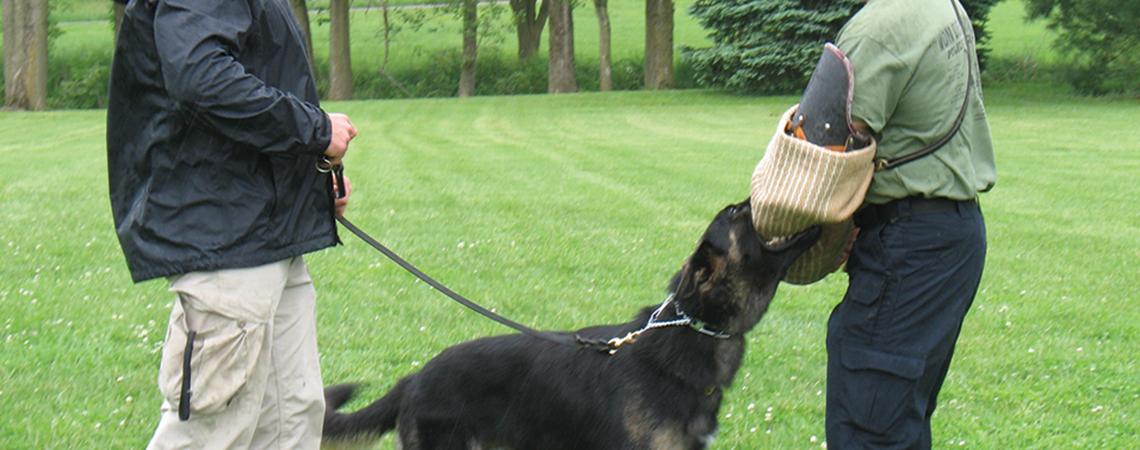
(772, 46)
(57, 52)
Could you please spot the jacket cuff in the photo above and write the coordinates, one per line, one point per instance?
(322, 135)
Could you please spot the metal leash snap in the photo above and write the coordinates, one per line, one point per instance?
(324, 165)
(616, 343)
(338, 178)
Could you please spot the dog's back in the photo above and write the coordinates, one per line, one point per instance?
(661, 392)
(518, 392)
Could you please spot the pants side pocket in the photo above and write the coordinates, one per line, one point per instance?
(204, 368)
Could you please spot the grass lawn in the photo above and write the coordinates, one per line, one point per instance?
(568, 211)
(1012, 37)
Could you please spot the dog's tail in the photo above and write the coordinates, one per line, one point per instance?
(369, 423)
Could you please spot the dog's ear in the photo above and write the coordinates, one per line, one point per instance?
(703, 266)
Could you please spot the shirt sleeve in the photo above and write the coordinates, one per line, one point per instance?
(198, 42)
(881, 78)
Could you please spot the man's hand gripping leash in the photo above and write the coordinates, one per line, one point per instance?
(341, 186)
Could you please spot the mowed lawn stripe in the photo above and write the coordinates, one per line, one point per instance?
(568, 211)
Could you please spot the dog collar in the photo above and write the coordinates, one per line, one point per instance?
(703, 328)
(611, 346)
(699, 325)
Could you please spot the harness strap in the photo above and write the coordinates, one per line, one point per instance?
(887, 164)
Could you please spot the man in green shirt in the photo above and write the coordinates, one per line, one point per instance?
(916, 264)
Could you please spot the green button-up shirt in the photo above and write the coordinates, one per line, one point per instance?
(911, 60)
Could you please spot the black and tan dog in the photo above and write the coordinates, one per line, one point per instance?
(661, 392)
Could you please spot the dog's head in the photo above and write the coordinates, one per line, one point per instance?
(732, 276)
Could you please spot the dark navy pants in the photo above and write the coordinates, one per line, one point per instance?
(914, 271)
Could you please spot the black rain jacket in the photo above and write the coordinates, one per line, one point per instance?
(213, 135)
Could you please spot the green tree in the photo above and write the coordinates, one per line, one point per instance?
(979, 12)
(530, 18)
(481, 27)
(771, 46)
(764, 46)
(1099, 38)
(340, 51)
(560, 69)
(117, 10)
(659, 44)
(470, 47)
(605, 51)
(301, 14)
(25, 53)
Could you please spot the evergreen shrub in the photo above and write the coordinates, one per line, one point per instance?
(771, 46)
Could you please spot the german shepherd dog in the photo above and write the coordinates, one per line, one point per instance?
(661, 392)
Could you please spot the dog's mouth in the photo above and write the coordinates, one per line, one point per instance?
(802, 241)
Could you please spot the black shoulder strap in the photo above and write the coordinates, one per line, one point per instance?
(887, 164)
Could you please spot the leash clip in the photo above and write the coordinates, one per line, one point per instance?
(324, 165)
(616, 343)
(882, 164)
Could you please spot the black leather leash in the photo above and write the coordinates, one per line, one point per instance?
(555, 338)
(338, 173)
(608, 346)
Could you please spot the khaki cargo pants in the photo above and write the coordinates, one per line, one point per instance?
(255, 381)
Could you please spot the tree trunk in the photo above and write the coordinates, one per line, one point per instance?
(301, 13)
(25, 54)
(530, 19)
(340, 53)
(658, 44)
(470, 47)
(117, 15)
(605, 66)
(386, 7)
(560, 72)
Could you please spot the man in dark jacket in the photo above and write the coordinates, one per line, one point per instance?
(214, 136)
